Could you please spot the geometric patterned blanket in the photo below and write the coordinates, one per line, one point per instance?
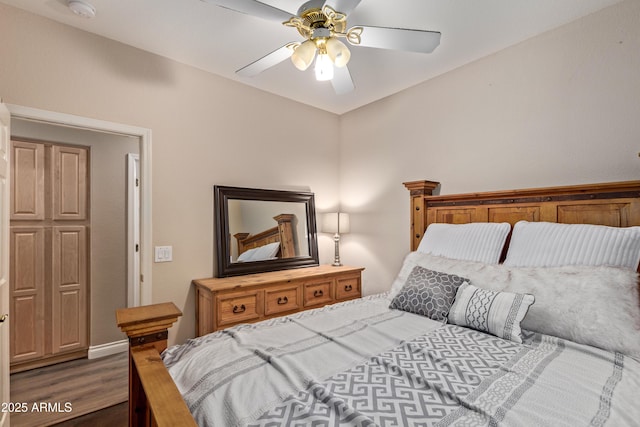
(417, 383)
(414, 384)
(427, 375)
(452, 376)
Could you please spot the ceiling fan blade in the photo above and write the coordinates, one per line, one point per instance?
(343, 6)
(267, 61)
(342, 82)
(399, 39)
(254, 8)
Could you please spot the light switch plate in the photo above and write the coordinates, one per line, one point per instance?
(163, 253)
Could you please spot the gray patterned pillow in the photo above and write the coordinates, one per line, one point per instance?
(498, 313)
(428, 293)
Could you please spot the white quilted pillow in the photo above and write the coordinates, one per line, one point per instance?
(546, 244)
(478, 241)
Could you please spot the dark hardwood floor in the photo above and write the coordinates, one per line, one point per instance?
(113, 416)
(81, 393)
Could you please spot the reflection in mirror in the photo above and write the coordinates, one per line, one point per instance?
(264, 230)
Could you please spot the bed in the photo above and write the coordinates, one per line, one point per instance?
(555, 355)
(275, 242)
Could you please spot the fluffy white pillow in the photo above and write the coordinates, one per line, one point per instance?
(589, 305)
(597, 306)
(547, 244)
(478, 241)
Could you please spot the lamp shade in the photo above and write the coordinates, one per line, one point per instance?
(303, 56)
(335, 222)
(338, 52)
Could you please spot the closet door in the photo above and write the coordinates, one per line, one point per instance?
(70, 251)
(69, 316)
(27, 263)
(27, 175)
(69, 183)
(49, 253)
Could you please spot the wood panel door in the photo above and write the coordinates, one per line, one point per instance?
(69, 287)
(27, 176)
(69, 183)
(5, 194)
(49, 253)
(27, 293)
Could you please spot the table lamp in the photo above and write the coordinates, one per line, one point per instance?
(336, 223)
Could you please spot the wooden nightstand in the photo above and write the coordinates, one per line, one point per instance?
(227, 301)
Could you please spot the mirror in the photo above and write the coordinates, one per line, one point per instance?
(263, 230)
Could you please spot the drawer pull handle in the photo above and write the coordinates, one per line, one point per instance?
(318, 293)
(240, 309)
(348, 288)
(282, 300)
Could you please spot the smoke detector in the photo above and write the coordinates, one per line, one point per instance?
(82, 8)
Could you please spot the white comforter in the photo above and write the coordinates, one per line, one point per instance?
(360, 363)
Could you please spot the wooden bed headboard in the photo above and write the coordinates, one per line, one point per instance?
(615, 204)
(282, 233)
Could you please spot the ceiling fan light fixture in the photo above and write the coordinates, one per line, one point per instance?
(324, 67)
(303, 56)
(338, 52)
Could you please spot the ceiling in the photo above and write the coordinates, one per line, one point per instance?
(221, 41)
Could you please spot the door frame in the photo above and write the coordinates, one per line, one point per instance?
(133, 230)
(5, 173)
(144, 136)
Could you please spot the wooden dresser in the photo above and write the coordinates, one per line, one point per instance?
(223, 302)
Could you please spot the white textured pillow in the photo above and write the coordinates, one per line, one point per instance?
(478, 241)
(268, 251)
(589, 305)
(597, 306)
(246, 255)
(495, 312)
(547, 244)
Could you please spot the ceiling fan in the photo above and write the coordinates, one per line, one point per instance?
(322, 23)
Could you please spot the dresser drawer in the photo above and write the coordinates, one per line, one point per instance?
(240, 307)
(222, 302)
(318, 292)
(348, 287)
(282, 299)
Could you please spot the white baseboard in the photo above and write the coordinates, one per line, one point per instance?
(102, 350)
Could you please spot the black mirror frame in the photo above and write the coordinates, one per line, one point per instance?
(221, 196)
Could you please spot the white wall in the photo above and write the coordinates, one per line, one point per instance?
(558, 109)
(206, 130)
